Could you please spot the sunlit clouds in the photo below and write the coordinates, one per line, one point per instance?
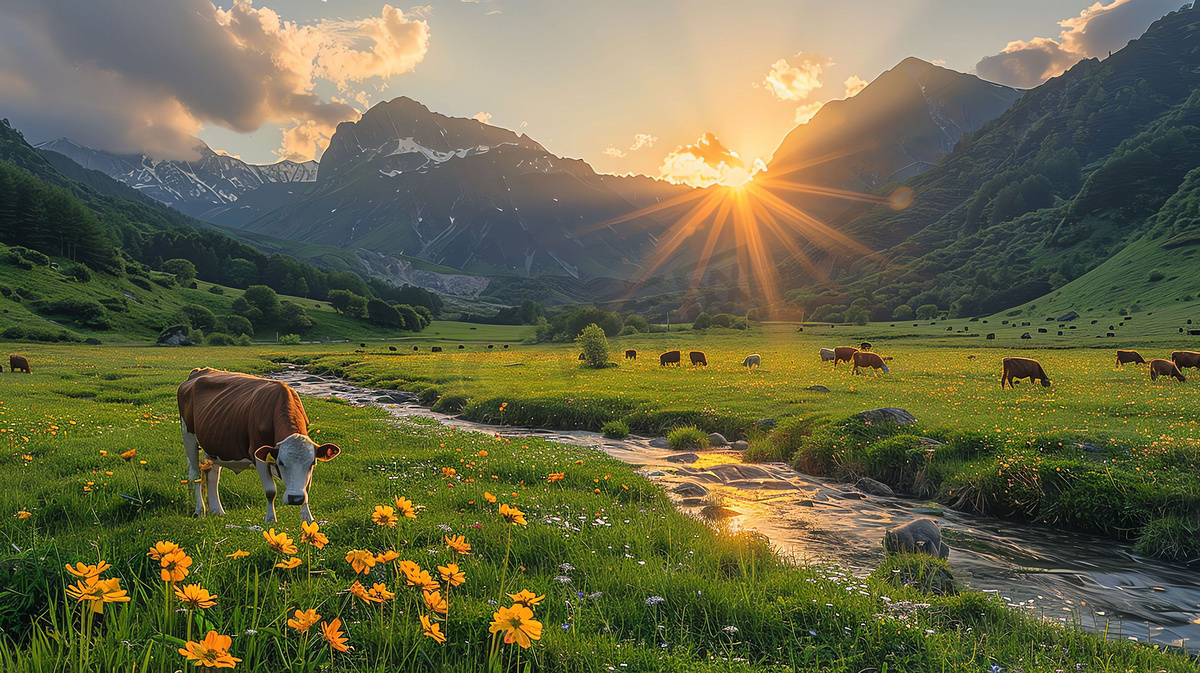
(640, 141)
(707, 162)
(794, 80)
(854, 84)
(807, 111)
(483, 117)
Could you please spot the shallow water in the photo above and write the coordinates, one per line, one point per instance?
(1051, 574)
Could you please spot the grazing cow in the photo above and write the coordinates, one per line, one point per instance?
(872, 360)
(416, 348)
(1185, 359)
(392, 348)
(827, 355)
(506, 345)
(697, 358)
(435, 349)
(752, 361)
(491, 346)
(630, 354)
(1023, 368)
(1129, 356)
(843, 354)
(864, 346)
(460, 347)
(241, 422)
(1160, 367)
(19, 363)
(581, 357)
(669, 358)
(362, 345)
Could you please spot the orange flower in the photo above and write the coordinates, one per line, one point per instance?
(483, 453)
(432, 630)
(361, 592)
(384, 515)
(387, 556)
(489, 497)
(175, 566)
(435, 603)
(289, 564)
(512, 515)
(380, 593)
(280, 542)
(161, 549)
(405, 507)
(361, 560)
(555, 476)
(451, 574)
(128, 456)
(458, 544)
(98, 592)
(312, 535)
(212, 652)
(415, 577)
(526, 598)
(238, 554)
(449, 472)
(518, 625)
(304, 620)
(22, 514)
(332, 632)
(195, 597)
(84, 571)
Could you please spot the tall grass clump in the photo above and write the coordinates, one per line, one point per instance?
(615, 430)
(687, 437)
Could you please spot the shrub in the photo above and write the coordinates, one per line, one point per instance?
(183, 270)
(33, 256)
(290, 339)
(198, 317)
(615, 430)
(379, 312)
(164, 279)
(293, 318)
(703, 321)
(922, 572)
(242, 340)
(216, 289)
(264, 299)
(595, 346)
(637, 322)
(858, 315)
(348, 303)
(628, 330)
(14, 332)
(81, 273)
(927, 312)
(723, 320)
(236, 325)
(83, 312)
(451, 404)
(687, 437)
(903, 312)
(741, 323)
(118, 304)
(219, 339)
(1155, 275)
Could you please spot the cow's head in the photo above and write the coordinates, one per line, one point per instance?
(294, 458)
(1045, 383)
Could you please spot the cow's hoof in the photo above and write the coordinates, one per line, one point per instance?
(198, 514)
(217, 512)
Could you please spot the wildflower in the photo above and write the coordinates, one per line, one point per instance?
(212, 652)
(206, 466)
(405, 507)
(432, 630)
(128, 456)
(98, 592)
(452, 575)
(415, 577)
(361, 592)
(483, 453)
(384, 515)
(22, 514)
(84, 571)
(387, 556)
(489, 497)
(518, 625)
(435, 603)
(280, 542)
(195, 597)
(526, 598)
(449, 472)
(555, 476)
(312, 535)
(458, 544)
(161, 549)
(304, 619)
(332, 633)
(361, 560)
(175, 566)
(513, 515)
(289, 564)
(380, 593)
(238, 554)
(408, 566)
(655, 600)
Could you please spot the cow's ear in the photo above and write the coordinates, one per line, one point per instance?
(266, 454)
(327, 452)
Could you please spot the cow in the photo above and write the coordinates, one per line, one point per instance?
(582, 357)
(752, 361)
(392, 348)
(435, 349)
(922, 536)
(630, 354)
(19, 363)
(864, 346)
(1129, 356)
(843, 354)
(827, 355)
(871, 360)
(669, 358)
(416, 348)
(1185, 359)
(505, 346)
(1023, 368)
(460, 347)
(242, 421)
(362, 345)
(1160, 367)
(490, 346)
(697, 358)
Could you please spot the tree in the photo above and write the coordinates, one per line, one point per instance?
(379, 312)
(703, 321)
(858, 315)
(927, 312)
(236, 325)
(243, 308)
(637, 322)
(413, 321)
(903, 312)
(199, 317)
(264, 299)
(241, 272)
(183, 270)
(293, 318)
(595, 346)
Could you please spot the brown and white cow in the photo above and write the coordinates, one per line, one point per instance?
(1160, 367)
(870, 360)
(1023, 368)
(1185, 359)
(241, 422)
(843, 354)
(827, 355)
(1129, 357)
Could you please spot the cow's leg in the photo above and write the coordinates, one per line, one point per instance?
(268, 484)
(214, 497)
(192, 446)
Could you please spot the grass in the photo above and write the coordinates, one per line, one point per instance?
(630, 583)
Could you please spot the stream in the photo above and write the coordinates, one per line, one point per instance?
(1063, 576)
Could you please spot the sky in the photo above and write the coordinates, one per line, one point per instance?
(631, 86)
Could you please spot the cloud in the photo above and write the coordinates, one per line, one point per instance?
(939, 62)
(806, 112)
(1097, 30)
(787, 81)
(641, 140)
(707, 163)
(614, 152)
(160, 71)
(854, 84)
(481, 116)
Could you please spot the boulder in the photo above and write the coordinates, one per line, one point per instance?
(687, 458)
(818, 389)
(1026, 336)
(717, 439)
(690, 490)
(718, 512)
(868, 485)
(740, 445)
(922, 536)
(893, 415)
(659, 443)
(176, 335)
(1068, 316)
(92, 341)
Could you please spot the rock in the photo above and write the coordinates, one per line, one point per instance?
(1068, 316)
(692, 502)
(740, 445)
(718, 512)
(175, 336)
(868, 485)
(766, 423)
(1026, 336)
(688, 458)
(762, 484)
(805, 503)
(717, 439)
(893, 415)
(818, 389)
(847, 495)
(736, 471)
(92, 341)
(659, 443)
(922, 536)
(690, 490)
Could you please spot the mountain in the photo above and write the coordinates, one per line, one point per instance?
(1075, 171)
(214, 187)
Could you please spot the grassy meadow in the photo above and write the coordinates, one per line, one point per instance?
(629, 583)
